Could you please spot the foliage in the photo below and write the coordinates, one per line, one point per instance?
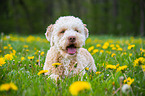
(115, 68)
(118, 17)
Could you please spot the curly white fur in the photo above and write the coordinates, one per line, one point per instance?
(58, 35)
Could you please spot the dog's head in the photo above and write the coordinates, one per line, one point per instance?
(68, 34)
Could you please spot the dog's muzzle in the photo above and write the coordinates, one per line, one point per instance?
(71, 48)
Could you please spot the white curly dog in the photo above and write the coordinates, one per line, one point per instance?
(67, 36)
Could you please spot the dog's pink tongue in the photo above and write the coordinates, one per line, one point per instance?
(71, 50)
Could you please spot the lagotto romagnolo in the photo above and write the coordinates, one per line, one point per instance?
(67, 36)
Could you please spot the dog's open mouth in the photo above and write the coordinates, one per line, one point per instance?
(71, 49)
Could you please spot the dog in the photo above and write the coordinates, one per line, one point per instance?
(66, 37)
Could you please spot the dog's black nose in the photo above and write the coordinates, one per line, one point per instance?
(72, 38)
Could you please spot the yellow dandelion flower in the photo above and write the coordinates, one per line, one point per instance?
(25, 46)
(11, 48)
(0, 51)
(22, 58)
(98, 45)
(139, 61)
(56, 64)
(98, 72)
(113, 54)
(112, 45)
(101, 51)
(13, 52)
(117, 46)
(8, 56)
(143, 67)
(32, 57)
(120, 49)
(121, 68)
(113, 48)
(78, 86)
(117, 65)
(130, 54)
(90, 48)
(13, 86)
(42, 71)
(42, 53)
(27, 50)
(5, 47)
(86, 68)
(9, 45)
(130, 47)
(124, 53)
(104, 47)
(2, 61)
(111, 66)
(37, 60)
(5, 87)
(129, 81)
(95, 50)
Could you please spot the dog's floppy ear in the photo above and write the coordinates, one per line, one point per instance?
(86, 31)
(48, 32)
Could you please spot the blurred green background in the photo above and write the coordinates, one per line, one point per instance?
(109, 17)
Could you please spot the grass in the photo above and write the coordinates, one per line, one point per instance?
(23, 73)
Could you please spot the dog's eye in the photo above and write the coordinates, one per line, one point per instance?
(76, 30)
(63, 31)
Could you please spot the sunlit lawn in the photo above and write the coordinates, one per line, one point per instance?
(120, 63)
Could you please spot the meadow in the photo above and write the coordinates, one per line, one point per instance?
(120, 65)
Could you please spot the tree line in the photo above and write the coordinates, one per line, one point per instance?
(117, 17)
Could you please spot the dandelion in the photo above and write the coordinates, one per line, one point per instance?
(13, 86)
(121, 68)
(5, 87)
(111, 66)
(130, 54)
(8, 56)
(37, 60)
(27, 50)
(139, 61)
(30, 58)
(22, 58)
(13, 52)
(112, 45)
(98, 45)
(25, 46)
(9, 45)
(130, 47)
(42, 53)
(56, 64)
(42, 71)
(11, 48)
(2, 61)
(117, 46)
(0, 51)
(129, 81)
(113, 55)
(101, 51)
(78, 86)
(90, 48)
(117, 65)
(98, 72)
(120, 49)
(86, 68)
(95, 51)
(8, 86)
(5, 47)
(143, 67)
(113, 48)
